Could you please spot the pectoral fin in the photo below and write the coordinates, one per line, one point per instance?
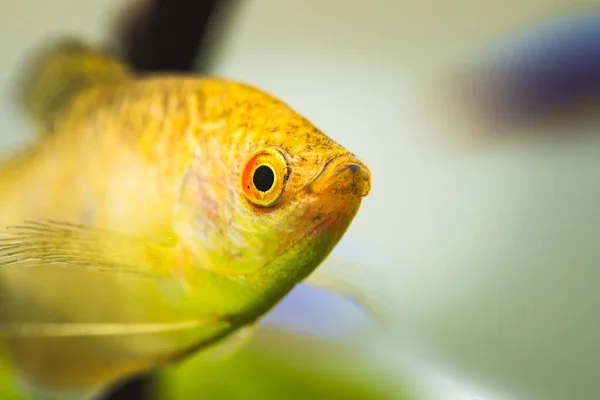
(50, 244)
(81, 307)
(59, 244)
(355, 280)
(229, 346)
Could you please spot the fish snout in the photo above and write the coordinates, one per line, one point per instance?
(344, 175)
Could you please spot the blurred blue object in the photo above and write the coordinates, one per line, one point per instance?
(544, 69)
(317, 312)
(324, 313)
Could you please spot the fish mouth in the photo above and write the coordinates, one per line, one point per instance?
(344, 175)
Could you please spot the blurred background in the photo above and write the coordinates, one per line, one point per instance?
(478, 245)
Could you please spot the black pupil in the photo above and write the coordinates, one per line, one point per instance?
(263, 178)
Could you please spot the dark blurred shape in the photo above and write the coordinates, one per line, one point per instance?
(171, 35)
(137, 389)
(543, 73)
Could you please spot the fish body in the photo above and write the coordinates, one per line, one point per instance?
(155, 216)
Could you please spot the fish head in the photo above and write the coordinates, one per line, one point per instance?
(269, 190)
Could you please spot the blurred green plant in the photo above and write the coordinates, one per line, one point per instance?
(275, 364)
(7, 387)
(280, 364)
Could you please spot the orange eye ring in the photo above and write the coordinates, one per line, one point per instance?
(264, 177)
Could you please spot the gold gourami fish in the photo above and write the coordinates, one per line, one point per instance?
(154, 217)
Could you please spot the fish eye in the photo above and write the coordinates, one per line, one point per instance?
(264, 177)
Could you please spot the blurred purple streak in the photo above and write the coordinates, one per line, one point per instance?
(324, 313)
(318, 312)
(543, 70)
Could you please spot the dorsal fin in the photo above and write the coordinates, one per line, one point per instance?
(58, 73)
